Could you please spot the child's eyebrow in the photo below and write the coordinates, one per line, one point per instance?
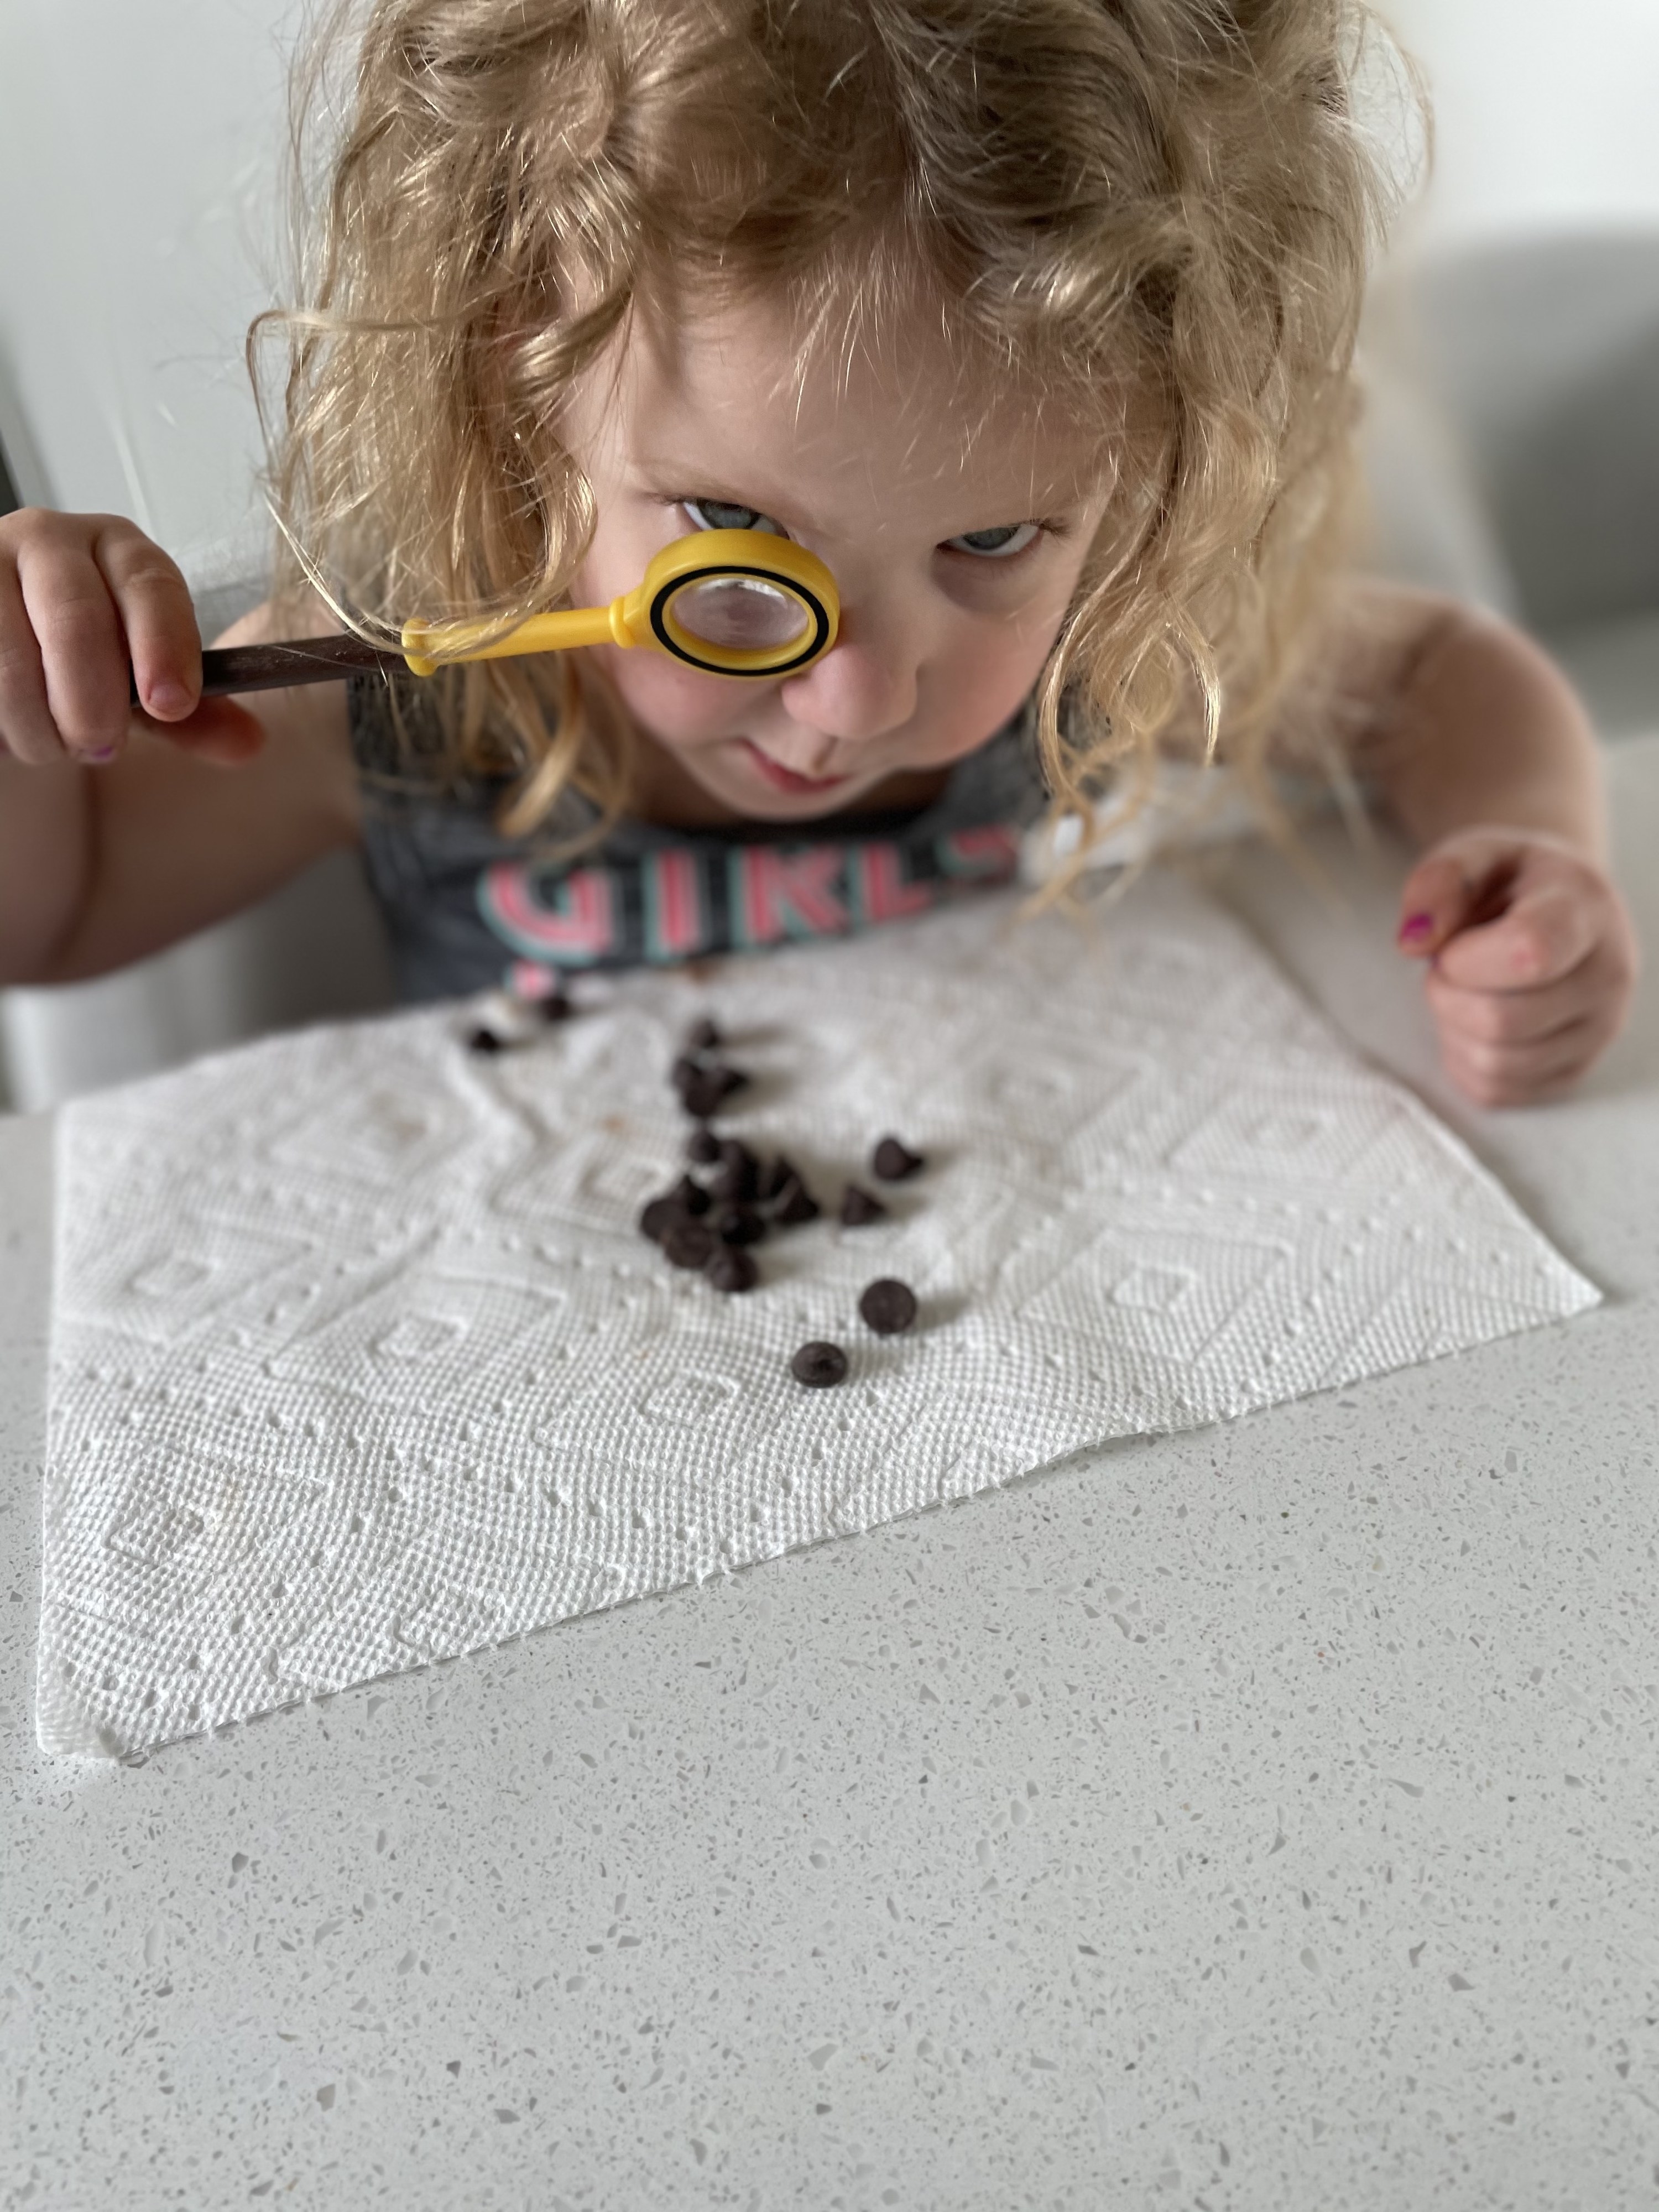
(711, 478)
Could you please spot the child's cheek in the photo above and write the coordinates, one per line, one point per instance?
(671, 702)
(978, 685)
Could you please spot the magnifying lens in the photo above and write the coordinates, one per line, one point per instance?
(734, 602)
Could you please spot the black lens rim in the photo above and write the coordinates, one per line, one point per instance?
(809, 599)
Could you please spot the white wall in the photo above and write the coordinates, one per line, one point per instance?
(138, 229)
(1547, 115)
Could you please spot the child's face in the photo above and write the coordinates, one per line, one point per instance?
(956, 557)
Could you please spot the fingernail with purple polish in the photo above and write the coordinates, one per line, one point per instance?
(104, 753)
(1413, 930)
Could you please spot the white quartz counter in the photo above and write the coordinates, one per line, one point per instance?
(1260, 1820)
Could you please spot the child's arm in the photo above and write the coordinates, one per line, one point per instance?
(1480, 748)
(197, 807)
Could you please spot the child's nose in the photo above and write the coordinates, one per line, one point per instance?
(863, 688)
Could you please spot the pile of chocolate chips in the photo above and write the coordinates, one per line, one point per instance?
(711, 1225)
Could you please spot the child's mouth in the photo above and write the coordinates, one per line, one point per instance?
(785, 779)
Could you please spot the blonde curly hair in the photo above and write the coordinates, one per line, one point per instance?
(1170, 198)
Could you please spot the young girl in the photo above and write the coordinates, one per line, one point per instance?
(1032, 318)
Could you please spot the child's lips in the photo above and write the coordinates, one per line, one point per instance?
(787, 779)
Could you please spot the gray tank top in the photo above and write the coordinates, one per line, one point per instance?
(467, 908)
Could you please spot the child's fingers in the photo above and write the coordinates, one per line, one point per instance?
(1524, 1016)
(87, 606)
(1433, 901)
(163, 643)
(1504, 1048)
(1533, 962)
(219, 730)
(1521, 1075)
(82, 652)
(27, 732)
(1553, 920)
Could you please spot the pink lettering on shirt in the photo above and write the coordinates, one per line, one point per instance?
(777, 895)
(991, 854)
(674, 923)
(879, 885)
(578, 925)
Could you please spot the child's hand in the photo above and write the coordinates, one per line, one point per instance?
(1532, 960)
(85, 602)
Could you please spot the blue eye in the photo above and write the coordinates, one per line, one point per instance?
(997, 545)
(723, 514)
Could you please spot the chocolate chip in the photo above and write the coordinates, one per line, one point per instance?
(738, 1224)
(776, 1177)
(819, 1365)
(794, 1204)
(684, 1203)
(705, 1089)
(893, 1161)
(729, 1269)
(689, 1243)
(860, 1206)
(739, 1175)
(731, 1187)
(702, 1145)
(888, 1306)
(660, 1217)
(691, 1197)
(483, 1039)
(704, 1036)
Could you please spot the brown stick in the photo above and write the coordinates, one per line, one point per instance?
(276, 667)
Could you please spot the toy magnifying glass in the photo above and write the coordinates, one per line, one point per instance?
(734, 602)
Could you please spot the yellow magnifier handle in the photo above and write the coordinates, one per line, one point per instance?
(559, 632)
(786, 572)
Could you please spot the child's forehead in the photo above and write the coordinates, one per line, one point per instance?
(900, 412)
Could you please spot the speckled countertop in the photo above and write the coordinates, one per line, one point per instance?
(1259, 1818)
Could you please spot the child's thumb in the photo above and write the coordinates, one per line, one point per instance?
(1433, 903)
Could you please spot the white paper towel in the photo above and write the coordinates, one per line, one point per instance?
(360, 1361)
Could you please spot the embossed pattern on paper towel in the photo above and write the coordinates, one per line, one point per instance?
(359, 1360)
